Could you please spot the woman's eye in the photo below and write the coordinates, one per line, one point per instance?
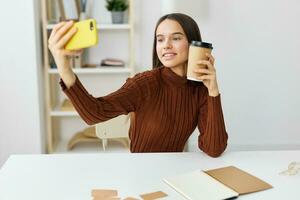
(159, 40)
(177, 38)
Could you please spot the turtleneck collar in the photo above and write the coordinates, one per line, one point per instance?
(172, 78)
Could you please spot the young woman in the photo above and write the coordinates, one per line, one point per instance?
(166, 107)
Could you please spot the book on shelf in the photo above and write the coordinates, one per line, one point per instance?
(222, 183)
(112, 62)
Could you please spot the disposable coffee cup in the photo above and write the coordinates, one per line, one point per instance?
(197, 52)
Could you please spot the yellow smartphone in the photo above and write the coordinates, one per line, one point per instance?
(86, 35)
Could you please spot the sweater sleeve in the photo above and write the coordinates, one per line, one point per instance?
(98, 109)
(213, 137)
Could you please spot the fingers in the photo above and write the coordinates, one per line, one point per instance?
(207, 63)
(204, 74)
(206, 77)
(62, 42)
(61, 32)
(72, 52)
(203, 71)
(211, 59)
(208, 73)
(55, 29)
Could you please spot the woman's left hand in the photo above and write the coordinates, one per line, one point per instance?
(208, 75)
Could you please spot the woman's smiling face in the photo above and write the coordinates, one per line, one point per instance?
(171, 44)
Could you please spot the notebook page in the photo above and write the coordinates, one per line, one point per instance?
(198, 185)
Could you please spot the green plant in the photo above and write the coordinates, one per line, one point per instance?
(116, 5)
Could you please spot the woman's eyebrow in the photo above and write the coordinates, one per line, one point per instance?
(175, 33)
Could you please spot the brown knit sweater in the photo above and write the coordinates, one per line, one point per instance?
(167, 108)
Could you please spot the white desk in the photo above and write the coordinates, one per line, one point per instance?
(73, 176)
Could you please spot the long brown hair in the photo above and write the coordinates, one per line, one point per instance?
(189, 27)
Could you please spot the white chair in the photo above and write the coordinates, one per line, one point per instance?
(116, 129)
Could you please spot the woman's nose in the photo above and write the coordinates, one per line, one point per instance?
(167, 44)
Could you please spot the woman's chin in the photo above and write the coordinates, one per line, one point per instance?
(169, 64)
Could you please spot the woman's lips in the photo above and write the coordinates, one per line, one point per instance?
(169, 55)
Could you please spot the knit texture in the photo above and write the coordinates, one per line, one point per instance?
(166, 109)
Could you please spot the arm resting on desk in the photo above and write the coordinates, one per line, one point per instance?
(213, 137)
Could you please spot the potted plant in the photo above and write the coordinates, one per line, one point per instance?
(117, 8)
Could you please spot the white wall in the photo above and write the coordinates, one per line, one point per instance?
(256, 49)
(21, 124)
(146, 15)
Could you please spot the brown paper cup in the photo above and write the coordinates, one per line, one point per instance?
(197, 51)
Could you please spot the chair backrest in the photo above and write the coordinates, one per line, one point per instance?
(114, 128)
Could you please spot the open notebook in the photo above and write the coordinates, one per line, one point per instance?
(222, 183)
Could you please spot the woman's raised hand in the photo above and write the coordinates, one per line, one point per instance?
(60, 35)
(208, 75)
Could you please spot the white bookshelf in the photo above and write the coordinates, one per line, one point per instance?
(57, 121)
(103, 26)
(58, 113)
(98, 70)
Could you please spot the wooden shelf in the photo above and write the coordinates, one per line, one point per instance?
(58, 113)
(103, 26)
(66, 109)
(113, 26)
(98, 70)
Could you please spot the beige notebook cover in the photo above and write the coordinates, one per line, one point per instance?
(238, 180)
(217, 184)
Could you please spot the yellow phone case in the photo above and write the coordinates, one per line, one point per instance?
(86, 35)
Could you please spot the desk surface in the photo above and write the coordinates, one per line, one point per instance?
(73, 176)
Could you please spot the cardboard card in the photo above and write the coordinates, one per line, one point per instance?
(238, 180)
(130, 198)
(153, 195)
(106, 198)
(104, 193)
